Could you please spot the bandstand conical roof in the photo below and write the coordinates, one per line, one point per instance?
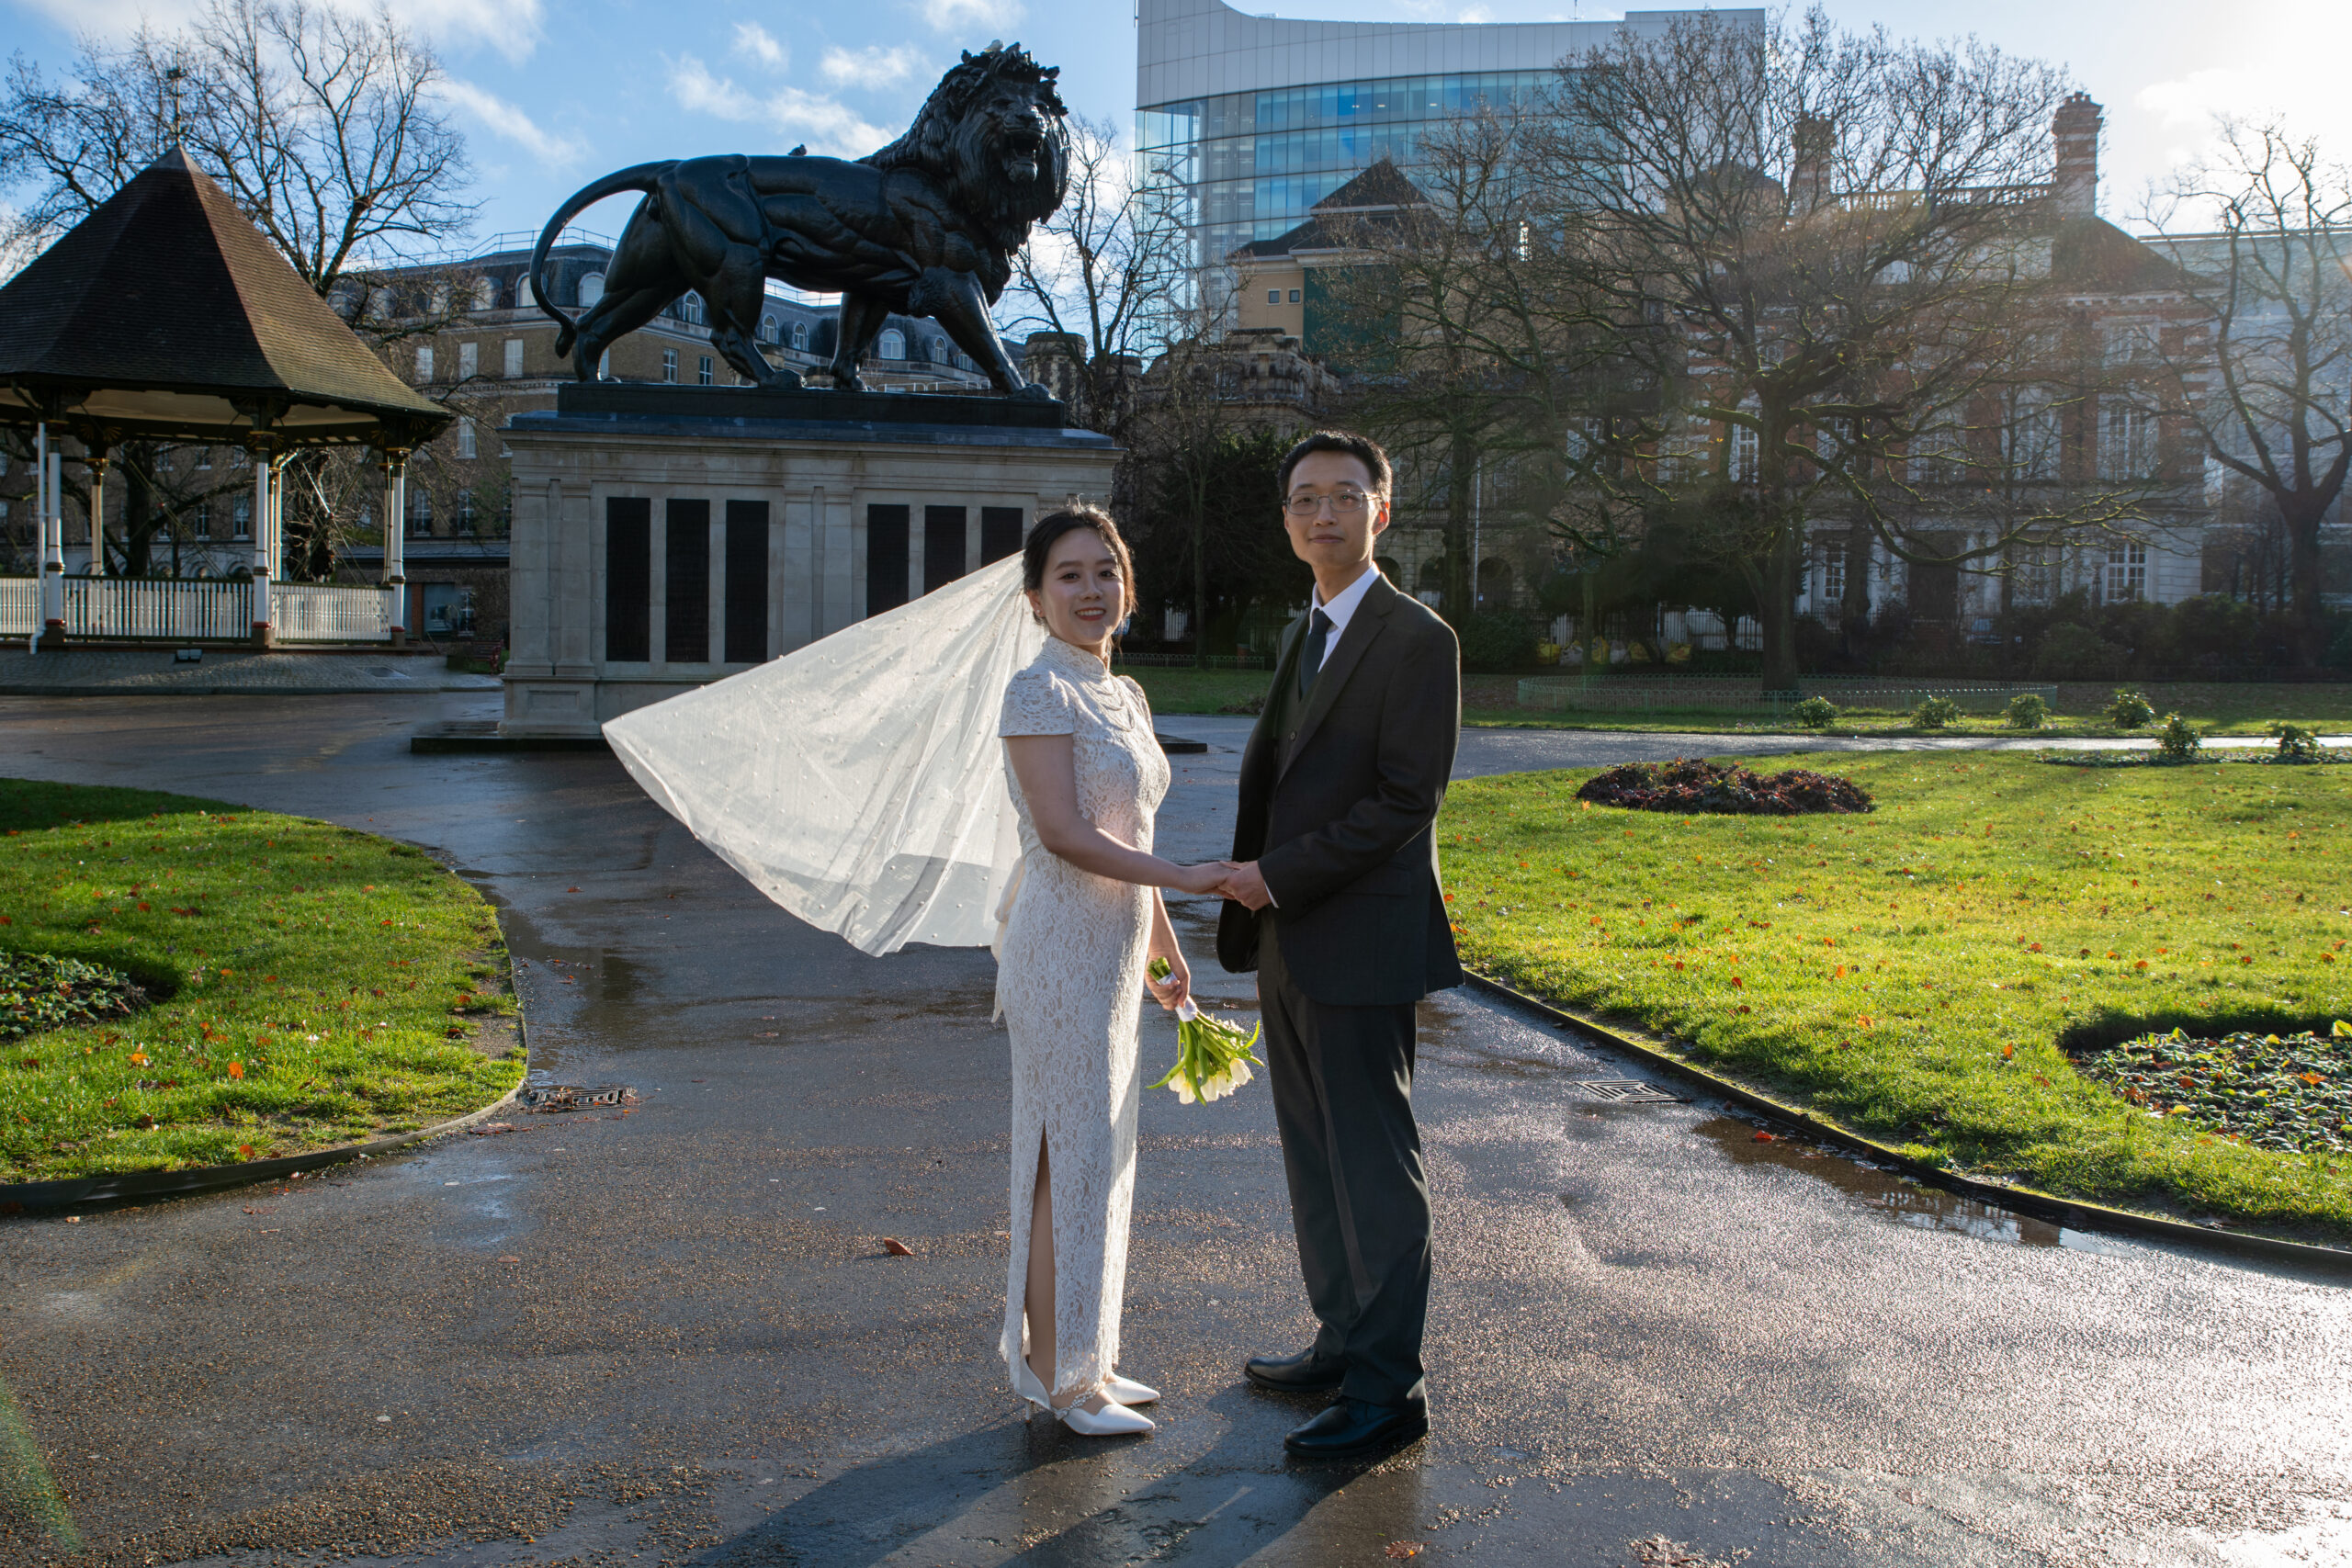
(165, 313)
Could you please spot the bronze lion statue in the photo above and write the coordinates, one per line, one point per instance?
(927, 227)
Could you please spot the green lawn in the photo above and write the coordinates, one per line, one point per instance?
(315, 986)
(2216, 708)
(1916, 973)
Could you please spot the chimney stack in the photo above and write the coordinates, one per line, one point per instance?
(2074, 131)
(1809, 171)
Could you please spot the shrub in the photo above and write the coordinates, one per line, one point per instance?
(1814, 713)
(1497, 641)
(2179, 740)
(1724, 788)
(2071, 652)
(1935, 712)
(2296, 744)
(2028, 711)
(2129, 709)
(39, 992)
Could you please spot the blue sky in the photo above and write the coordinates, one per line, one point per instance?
(554, 93)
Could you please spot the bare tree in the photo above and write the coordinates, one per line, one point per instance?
(1819, 249)
(1107, 273)
(2273, 283)
(321, 126)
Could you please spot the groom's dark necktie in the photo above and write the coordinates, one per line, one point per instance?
(1310, 663)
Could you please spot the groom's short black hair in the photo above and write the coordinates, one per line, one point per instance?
(1363, 448)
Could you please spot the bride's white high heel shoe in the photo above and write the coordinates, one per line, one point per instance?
(1113, 1420)
(1126, 1391)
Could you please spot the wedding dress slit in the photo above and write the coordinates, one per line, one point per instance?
(1070, 986)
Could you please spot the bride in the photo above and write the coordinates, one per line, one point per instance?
(1081, 923)
(856, 782)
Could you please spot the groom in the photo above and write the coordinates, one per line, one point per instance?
(1336, 905)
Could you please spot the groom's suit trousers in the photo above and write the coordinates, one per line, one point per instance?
(1359, 1199)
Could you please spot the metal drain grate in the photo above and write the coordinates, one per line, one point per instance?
(1626, 1091)
(554, 1097)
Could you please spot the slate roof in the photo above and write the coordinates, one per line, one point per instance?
(2094, 255)
(165, 309)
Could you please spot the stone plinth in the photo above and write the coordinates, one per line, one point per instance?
(666, 536)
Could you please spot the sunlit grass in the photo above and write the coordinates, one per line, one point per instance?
(317, 985)
(1914, 972)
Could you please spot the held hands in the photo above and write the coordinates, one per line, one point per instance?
(1236, 880)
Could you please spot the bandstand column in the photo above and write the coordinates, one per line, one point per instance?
(395, 539)
(96, 463)
(51, 517)
(264, 470)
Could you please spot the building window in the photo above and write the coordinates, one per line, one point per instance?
(420, 516)
(702, 371)
(800, 336)
(670, 365)
(1833, 574)
(690, 307)
(939, 351)
(592, 289)
(892, 344)
(241, 518)
(2127, 572)
(767, 328)
(238, 458)
(2127, 445)
(1293, 296)
(199, 518)
(465, 511)
(486, 294)
(514, 358)
(424, 363)
(449, 609)
(1273, 296)
(1744, 450)
(203, 460)
(468, 448)
(523, 297)
(469, 361)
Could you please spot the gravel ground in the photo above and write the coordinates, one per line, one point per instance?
(669, 1333)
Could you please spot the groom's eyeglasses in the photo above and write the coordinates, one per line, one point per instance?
(1343, 503)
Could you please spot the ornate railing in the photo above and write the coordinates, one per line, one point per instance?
(319, 611)
(149, 609)
(20, 606)
(159, 609)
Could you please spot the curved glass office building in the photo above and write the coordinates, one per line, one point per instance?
(1260, 117)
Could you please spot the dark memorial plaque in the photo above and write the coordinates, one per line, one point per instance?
(685, 554)
(629, 579)
(942, 546)
(747, 581)
(886, 558)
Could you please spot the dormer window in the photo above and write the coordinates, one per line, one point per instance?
(892, 344)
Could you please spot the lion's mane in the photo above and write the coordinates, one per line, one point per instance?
(957, 149)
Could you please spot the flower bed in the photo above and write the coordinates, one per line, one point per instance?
(2291, 1093)
(41, 991)
(1725, 789)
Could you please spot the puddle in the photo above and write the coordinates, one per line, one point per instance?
(1889, 1193)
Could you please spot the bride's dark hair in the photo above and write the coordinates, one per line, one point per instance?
(1069, 520)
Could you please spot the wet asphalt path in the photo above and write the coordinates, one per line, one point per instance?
(675, 1336)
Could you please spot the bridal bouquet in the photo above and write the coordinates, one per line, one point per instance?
(1211, 1056)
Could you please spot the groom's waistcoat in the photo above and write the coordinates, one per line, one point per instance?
(1339, 798)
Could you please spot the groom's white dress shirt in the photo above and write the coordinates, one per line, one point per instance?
(1342, 605)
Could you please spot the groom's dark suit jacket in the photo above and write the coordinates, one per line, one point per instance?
(1339, 804)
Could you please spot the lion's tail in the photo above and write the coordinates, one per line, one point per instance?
(640, 177)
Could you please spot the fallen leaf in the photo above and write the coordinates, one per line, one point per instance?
(1404, 1549)
(1767, 1137)
(510, 1259)
(896, 1247)
(236, 1069)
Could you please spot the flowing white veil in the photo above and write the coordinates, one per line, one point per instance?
(857, 782)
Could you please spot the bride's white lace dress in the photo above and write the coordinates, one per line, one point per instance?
(1070, 982)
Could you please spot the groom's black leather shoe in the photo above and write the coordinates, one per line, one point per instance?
(1310, 1372)
(1353, 1426)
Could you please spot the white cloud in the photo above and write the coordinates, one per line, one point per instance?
(950, 16)
(754, 40)
(502, 118)
(827, 125)
(871, 67)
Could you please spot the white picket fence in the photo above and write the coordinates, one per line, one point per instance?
(319, 611)
(199, 610)
(19, 605)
